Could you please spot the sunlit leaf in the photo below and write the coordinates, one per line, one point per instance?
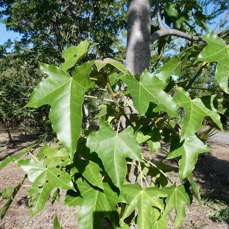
(189, 151)
(44, 179)
(195, 111)
(94, 204)
(102, 63)
(73, 54)
(149, 89)
(90, 171)
(177, 198)
(173, 66)
(113, 149)
(65, 95)
(145, 200)
(216, 50)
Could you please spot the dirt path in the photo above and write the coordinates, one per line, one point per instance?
(211, 173)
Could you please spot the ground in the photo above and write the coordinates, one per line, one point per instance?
(211, 174)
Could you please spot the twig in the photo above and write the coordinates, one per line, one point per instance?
(223, 23)
(158, 14)
(94, 97)
(131, 173)
(204, 65)
(161, 172)
(117, 103)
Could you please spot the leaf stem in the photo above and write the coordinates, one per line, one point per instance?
(131, 173)
(75, 212)
(161, 172)
(117, 103)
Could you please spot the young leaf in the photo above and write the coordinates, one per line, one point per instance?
(9, 159)
(177, 198)
(65, 95)
(56, 223)
(94, 204)
(9, 194)
(195, 111)
(216, 50)
(149, 89)
(113, 149)
(73, 54)
(195, 188)
(102, 63)
(45, 179)
(145, 200)
(189, 151)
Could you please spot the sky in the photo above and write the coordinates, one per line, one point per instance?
(5, 35)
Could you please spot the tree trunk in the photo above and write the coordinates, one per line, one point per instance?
(138, 35)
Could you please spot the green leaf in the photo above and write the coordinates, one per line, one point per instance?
(195, 188)
(173, 66)
(149, 89)
(171, 10)
(65, 95)
(102, 63)
(94, 204)
(154, 146)
(189, 151)
(9, 194)
(73, 54)
(177, 198)
(160, 224)
(145, 200)
(195, 111)
(44, 179)
(56, 223)
(51, 155)
(113, 149)
(141, 137)
(216, 50)
(90, 171)
(9, 159)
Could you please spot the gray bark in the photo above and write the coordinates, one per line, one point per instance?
(138, 35)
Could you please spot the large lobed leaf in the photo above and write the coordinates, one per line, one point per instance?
(149, 89)
(216, 50)
(113, 149)
(94, 204)
(148, 201)
(195, 111)
(44, 179)
(65, 95)
(189, 151)
(177, 198)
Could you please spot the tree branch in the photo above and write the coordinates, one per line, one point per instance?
(166, 31)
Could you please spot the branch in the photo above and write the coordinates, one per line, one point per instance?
(164, 31)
